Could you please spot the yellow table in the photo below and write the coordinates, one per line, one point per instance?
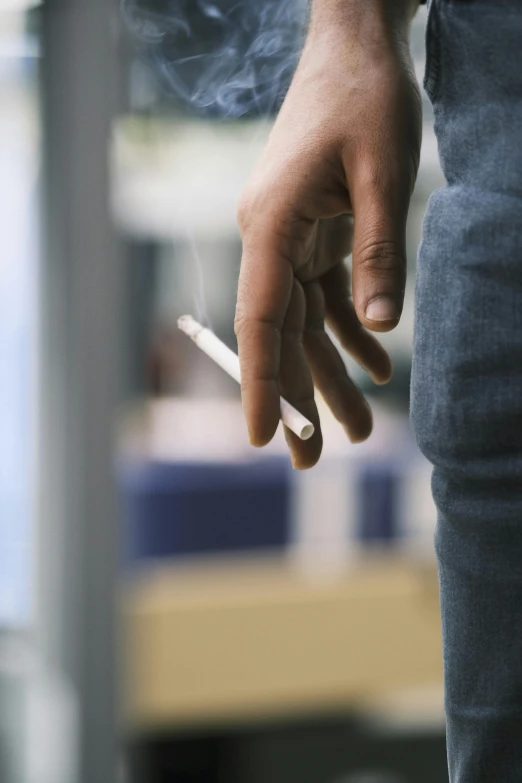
(246, 639)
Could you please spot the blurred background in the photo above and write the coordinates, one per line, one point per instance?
(174, 605)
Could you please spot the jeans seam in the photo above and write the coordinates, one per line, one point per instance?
(433, 52)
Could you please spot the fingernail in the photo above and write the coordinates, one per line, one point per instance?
(384, 308)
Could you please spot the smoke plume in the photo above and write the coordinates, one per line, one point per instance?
(221, 58)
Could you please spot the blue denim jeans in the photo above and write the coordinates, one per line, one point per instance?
(467, 376)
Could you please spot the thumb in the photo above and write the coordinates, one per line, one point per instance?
(379, 254)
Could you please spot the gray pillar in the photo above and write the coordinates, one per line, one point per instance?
(80, 358)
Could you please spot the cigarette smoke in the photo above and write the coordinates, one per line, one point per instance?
(200, 297)
(221, 58)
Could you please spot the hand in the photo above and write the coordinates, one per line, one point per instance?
(343, 154)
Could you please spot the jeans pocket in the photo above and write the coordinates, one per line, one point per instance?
(432, 71)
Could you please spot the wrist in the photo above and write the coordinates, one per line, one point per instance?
(370, 23)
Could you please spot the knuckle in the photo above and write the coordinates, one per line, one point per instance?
(304, 400)
(240, 321)
(253, 205)
(245, 211)
(381, 257)
(247, 325)
(336, 376)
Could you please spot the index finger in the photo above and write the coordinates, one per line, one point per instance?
(265, 286)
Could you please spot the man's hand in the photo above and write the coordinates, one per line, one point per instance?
(340, 165)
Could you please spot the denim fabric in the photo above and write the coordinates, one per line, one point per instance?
(467, 376)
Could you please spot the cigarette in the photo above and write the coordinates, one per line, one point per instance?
(229, 362)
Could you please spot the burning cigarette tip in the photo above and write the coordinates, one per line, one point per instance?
(189, 325)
